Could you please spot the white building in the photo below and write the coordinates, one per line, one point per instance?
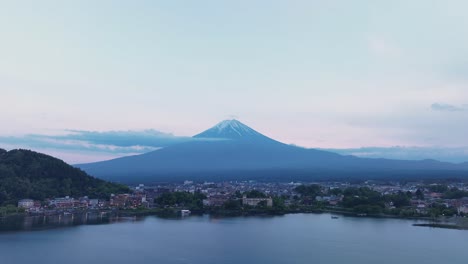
(62, 202)
(256, 201)
(463, 209)
(185, 212)
(93, 203)
(26, 203)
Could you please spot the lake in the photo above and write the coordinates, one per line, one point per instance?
(295, 238)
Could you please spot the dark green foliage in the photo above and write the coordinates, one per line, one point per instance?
(335, 191)
(362, 196)
(278, 203)
(438, 188)
(232, 205)
(28, 174)
(455, 193)
(368, 209)
(399, 199)
(238, 194)
(185, 199)
(419, 194)
(365, 200)
(255, 194)
(437, 209)
(10, 209)
(309, 190)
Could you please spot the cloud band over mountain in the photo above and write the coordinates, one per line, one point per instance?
(95, 145)
(455, 155)
(110, 143)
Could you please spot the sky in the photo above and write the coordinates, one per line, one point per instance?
(319, 74)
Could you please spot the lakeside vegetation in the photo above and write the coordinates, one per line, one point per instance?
(352, 201)
(28, 174)
(364, 200)
(10, 210)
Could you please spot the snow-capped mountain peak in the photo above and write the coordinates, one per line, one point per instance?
(230, 129)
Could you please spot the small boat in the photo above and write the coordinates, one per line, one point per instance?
(334, 217)
(185, 212)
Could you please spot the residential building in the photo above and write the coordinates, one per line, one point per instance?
(26, 203)
(256, 201)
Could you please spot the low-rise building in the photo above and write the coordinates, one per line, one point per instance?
(256, 201)
(63, 202)
(119, 200)
(216, 200)
(463, 209)
(26, 203)
(93, 203)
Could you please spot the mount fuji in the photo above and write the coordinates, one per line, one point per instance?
(233, 151)
(234, 130)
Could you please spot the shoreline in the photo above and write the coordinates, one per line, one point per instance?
(109, 216)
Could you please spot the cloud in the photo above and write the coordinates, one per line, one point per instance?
(455, 155)
(39, 141)
(89, 144)
(447, 107)
(148, 138)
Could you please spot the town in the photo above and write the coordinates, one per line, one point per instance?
(411, 199)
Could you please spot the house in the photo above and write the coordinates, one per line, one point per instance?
(185, 212)
(463, 209)
(119, 200)
(216, 200)
(26, 203)
(93, 203)
(332, 200)
(256, 201)
(63, 202)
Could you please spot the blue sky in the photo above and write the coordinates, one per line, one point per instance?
(325, 74)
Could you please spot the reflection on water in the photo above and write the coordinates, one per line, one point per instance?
(299, 238)
(29, 223)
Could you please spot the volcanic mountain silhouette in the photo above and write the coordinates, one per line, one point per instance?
(232, 148)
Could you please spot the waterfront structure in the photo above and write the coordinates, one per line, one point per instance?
(463, 209)
(185, 212)
(93, 203)
(257, 201)
(26, 203)
(63, 202)
(216, 200)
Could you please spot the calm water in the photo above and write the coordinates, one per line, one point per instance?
(301, 238)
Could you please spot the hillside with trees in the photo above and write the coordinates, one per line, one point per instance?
(28, 174)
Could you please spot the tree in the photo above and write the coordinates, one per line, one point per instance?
(255, 194)
(192, 201)
(419, 194)
(28, 174)
(312, 190)
(232, 205)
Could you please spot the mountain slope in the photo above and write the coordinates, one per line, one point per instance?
(233, 130)
(232, 146)
(28, 174)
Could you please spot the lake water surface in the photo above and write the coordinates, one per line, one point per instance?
(298, 238)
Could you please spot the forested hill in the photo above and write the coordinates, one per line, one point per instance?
(28, 174)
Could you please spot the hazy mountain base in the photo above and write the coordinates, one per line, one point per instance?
(284, 175)
(234, 151)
